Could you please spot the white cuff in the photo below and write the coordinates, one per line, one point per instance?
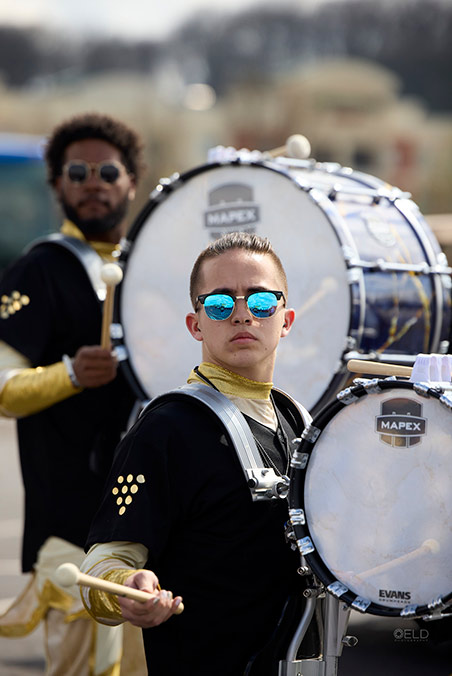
(67, 361)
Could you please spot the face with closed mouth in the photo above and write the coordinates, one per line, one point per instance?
(96, 206)
(242, 343)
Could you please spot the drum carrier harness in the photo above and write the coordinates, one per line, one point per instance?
(263, 482)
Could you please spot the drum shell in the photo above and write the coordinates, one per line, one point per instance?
(372, 478)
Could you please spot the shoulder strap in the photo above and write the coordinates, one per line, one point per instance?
(300, 411)
(85, 254)
(263, 482)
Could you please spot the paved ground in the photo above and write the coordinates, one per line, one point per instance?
(386, 647)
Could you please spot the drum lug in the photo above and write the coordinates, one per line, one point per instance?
(347, 397)
(360, 604)
(337, 589)
(311, 434)
(297, 517)
(313, 592)
(421, 389)
(300, 460)
(446, 400)
(354, 275)
(121, 353)
(305, 546)
(350, 641)
(116, 331)
(409, 611)
(304, 570)
(436, 606)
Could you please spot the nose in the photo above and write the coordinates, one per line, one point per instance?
(93, 180)
(241, 312)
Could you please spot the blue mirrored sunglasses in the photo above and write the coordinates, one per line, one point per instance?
(261, 304)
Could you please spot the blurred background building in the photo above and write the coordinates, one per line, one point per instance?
(368, 84)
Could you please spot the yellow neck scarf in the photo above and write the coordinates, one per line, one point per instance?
(103, 249)
(231, 384)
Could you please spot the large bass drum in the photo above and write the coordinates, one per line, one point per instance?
(365, 272)
(371, 497)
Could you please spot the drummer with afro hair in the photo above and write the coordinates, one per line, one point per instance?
(70, 401)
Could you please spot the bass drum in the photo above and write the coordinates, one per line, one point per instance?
(370, 498)
(366, 275)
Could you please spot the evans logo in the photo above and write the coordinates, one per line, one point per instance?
(401, 422)
(394, 595)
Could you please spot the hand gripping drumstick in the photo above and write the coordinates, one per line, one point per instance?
(111, 274)
(68, 574)
(378, 368)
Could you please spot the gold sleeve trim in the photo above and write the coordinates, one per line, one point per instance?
(33, 390)
(104, 606)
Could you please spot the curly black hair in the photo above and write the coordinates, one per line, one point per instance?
(97, 126)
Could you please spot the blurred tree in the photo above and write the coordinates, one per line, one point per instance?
(410, 37)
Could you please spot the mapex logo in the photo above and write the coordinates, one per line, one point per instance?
(401, 422)
(231, 208)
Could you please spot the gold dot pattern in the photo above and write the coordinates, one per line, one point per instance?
(127, 490)
(12, 304)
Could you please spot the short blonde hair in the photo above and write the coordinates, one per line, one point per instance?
(229, 242)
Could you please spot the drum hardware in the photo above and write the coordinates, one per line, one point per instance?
(335, 622)
(164, 186)
(304, 570)
(347, 396)
(116, 331)
(121, 354)
(383, 266)
(313, 592)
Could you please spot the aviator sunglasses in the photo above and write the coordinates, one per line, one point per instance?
(78, 171)
(261, 304)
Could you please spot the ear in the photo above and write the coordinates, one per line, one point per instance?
(192, 324)
(133, 188)
(289, 318)
(57, 186)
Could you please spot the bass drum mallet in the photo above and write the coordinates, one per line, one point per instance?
(68, 574)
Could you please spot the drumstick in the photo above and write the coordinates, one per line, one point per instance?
(427, 547)
(111, 274)
(68, 574)
(378, 368)
(296, 146)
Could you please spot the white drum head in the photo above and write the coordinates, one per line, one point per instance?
(154, 296)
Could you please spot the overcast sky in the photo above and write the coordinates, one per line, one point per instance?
(127, 18)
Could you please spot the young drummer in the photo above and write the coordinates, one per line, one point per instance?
(177, 509)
